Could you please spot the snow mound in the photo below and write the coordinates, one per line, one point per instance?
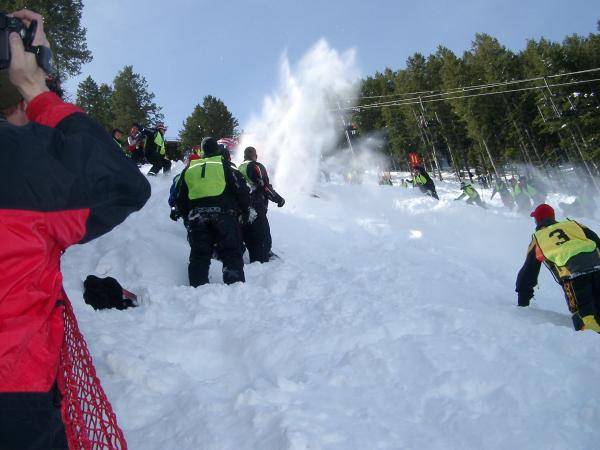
(389, 323)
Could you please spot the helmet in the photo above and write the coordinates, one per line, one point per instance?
(463, 184)
(543, 212)
(160, 126)
(210, 147)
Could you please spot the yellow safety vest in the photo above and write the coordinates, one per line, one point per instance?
(244, 170)
(471, 192)
(562, 241)
(205, 178)
(420, 179)
(160, 143)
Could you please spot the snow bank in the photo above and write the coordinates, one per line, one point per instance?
(390, 323)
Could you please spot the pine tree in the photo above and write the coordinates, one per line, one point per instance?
(131, 101)
(211, 118)
(62, 23)
(96, 101)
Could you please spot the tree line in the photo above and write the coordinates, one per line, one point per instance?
(128, 100)
(434, 107)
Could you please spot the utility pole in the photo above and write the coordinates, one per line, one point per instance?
(454, 164)
(422, 135)
(433, 153)
(490, 157)
(558, 115)
(345, 128)
(550, 174)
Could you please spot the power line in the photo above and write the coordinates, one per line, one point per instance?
(474, 87)
(432, 99)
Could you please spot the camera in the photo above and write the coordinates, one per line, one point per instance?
(11, 24)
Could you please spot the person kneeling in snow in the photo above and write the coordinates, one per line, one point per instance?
(572, 253)
(473, 196)
(212, 198)
(423, 181)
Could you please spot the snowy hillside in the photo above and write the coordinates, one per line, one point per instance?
(391, 323)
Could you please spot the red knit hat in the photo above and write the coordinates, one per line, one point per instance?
(543, 212)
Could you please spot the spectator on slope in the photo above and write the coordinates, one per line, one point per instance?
(522, 193)
(501, 188)
(257, 234)
(197, 150)
(117, 136)
(156, 150)
(423, 181)
(66, 185)
(212, 198)
(135, 144)
(472, 195)
(572, 253)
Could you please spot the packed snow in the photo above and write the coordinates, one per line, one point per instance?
(389, 323)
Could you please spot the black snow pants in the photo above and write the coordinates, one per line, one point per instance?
(210, 231)
(158, 162)
(139, 156)
(583, 297)
(257, 237)
(31, 421)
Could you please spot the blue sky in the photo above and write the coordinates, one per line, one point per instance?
(187, 49)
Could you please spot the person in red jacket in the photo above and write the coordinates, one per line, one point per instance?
(66, 182)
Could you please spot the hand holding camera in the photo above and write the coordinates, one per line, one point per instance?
(25, 51)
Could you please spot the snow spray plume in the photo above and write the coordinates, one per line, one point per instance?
(299, 122)
(367, 159)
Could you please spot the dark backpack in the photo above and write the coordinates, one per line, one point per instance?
(106, 293)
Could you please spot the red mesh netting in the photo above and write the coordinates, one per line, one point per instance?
(90, 422)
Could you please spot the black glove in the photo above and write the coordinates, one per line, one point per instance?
(281, 202)
(175, 215)
(524, 298)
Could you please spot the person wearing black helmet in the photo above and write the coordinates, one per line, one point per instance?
(212, 198)
(156, 150)
(257, 234)
(423, 181)
(571, 252)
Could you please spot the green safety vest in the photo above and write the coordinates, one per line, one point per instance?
(420, 179)
(205, 178)
(243, 168)
(121, 147)
(472, 193)
(562, 241)
(531, 190)
(160, 143)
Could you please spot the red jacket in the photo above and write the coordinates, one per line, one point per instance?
(65, 182)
